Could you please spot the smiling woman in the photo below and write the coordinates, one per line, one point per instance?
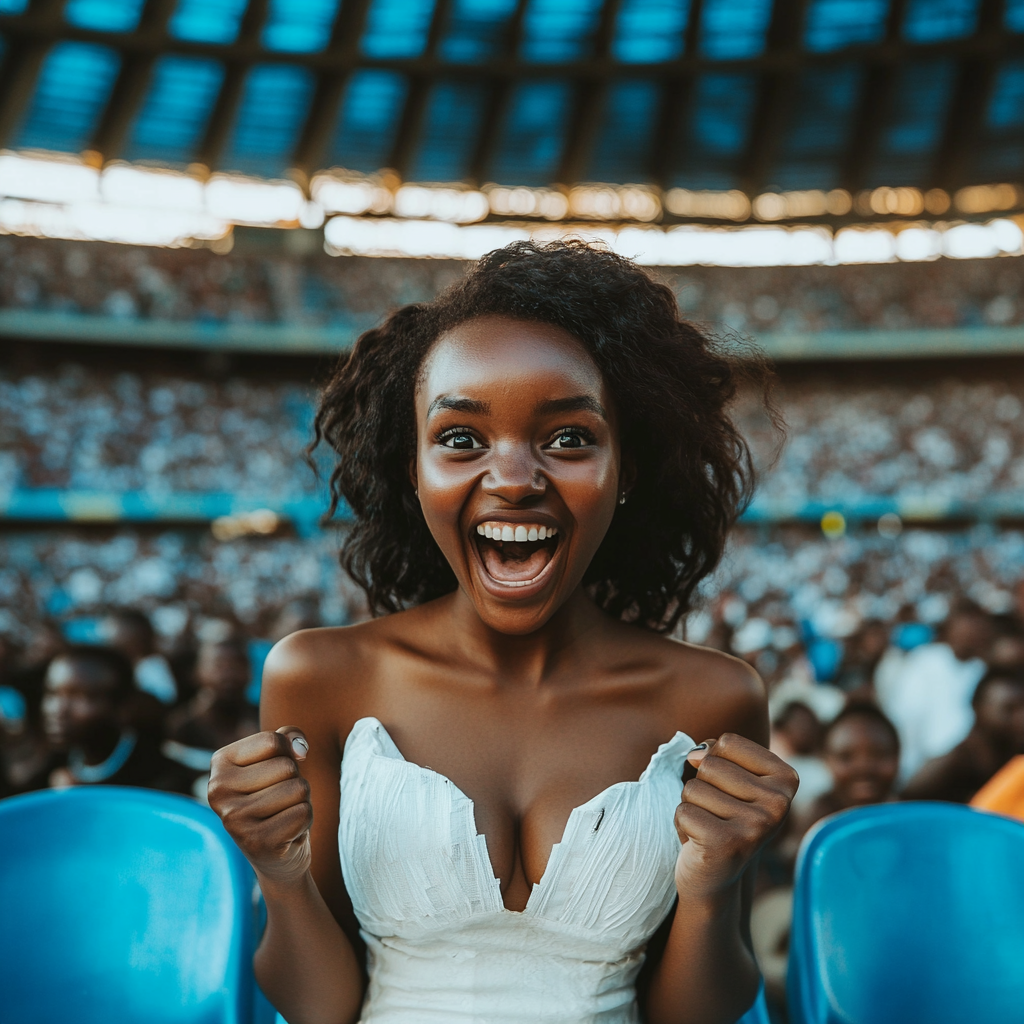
(541, 469)
(662, 378)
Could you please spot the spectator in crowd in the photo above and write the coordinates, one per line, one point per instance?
(796, 738)
(24, 750)
(862, 753)
(26, 673)
(862, 654)
(996, 736)
(219, 713)
(1008, 647)
(131, 633)
(930, 701)
(87, 699)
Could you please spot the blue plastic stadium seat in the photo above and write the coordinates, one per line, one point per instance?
(910, 913)
(122, 906)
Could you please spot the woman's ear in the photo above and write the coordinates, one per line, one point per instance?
(413, 479)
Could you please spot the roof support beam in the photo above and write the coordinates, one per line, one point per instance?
(411, 124)
(20, 71)
(875, 104)
(131, 85)
(776, 96)
(229, 98)
(589, 104)
(966, 115)
(496, 109)
(315, 140)
(676, 97)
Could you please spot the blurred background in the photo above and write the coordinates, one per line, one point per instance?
(204, 202)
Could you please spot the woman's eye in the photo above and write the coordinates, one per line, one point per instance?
(463, 442)
(568, 439)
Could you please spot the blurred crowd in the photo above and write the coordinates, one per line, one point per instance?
(128, 283)
(924, 704)
(196, 284)
(910, 625)
(87, 429)
(929, 441)
(114, 704)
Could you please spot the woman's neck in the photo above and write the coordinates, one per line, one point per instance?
(527, 659)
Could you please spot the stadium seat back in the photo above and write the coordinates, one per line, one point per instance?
(909, 913)
(122, 905)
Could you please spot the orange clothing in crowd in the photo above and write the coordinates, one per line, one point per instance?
(1004, 792)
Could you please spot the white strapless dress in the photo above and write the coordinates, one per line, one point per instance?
(442, 947)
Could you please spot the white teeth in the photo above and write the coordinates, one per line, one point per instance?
(519, 534)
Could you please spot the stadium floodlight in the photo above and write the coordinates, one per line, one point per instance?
(253, 201)
(106, 222)
(918, 243)
(979, 241)
(124, 185)
(47, 180)
(859, 245)
(457, 206)
(338, 195)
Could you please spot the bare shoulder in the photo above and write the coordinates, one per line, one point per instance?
(714, 693)
(324, 674)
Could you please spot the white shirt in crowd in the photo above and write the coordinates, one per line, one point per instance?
(929, 702)
(153, 676)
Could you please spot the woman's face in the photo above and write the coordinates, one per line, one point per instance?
(863, 760)
(518, 466)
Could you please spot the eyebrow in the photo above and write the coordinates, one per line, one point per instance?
(468, 405)
(577, 403)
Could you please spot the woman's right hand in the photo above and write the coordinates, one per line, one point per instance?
(263, 801)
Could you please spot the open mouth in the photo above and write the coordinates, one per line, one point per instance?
(516, 554)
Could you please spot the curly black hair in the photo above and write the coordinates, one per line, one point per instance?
(672, 387)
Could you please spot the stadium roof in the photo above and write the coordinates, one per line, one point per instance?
(751, 95)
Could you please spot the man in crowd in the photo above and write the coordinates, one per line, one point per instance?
(88, 694)
(217, 715)
(930, 700)
(997, 736)
(131, 633)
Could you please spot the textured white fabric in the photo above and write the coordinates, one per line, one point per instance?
(930, 704)
(442, 947)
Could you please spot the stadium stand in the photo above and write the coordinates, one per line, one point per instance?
(122, 287)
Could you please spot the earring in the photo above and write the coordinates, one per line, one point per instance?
(622, 498)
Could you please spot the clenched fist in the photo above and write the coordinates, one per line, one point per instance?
(256, 788)
(740, 796)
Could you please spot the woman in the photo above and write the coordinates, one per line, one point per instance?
(541, 469)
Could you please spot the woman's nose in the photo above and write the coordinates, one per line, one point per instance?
(513, 474)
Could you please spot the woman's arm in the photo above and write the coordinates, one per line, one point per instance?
(277, 794)
(739, 798)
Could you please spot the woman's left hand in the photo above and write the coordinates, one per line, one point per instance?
(740, 797)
